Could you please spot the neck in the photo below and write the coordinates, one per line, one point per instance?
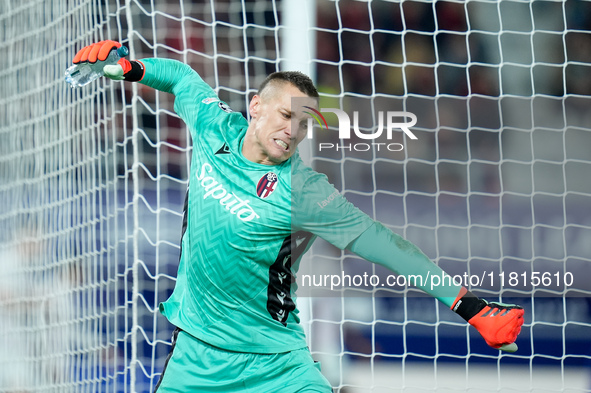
(252, 152)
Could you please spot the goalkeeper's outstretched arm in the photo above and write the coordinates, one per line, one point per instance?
(167, 75)
(499, 324)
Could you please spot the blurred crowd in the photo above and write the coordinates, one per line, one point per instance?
(501, 95)
(471, 72)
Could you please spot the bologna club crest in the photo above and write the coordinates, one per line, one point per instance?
(267, 185)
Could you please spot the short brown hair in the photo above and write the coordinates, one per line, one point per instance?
(296, 78)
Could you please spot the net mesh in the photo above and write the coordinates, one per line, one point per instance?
(62, 292)
(497, 183)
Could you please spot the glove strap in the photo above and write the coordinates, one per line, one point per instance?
(467, 305)
(137, 72)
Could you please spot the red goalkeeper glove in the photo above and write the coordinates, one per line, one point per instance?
(132, 71)
(499, 324)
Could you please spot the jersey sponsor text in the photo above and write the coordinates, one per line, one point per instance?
(232, 202)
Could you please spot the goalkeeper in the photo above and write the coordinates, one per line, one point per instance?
(251, 211)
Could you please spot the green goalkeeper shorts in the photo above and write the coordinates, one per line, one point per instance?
(195, 366)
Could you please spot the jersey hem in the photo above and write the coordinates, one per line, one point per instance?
(239, 348)
(247, 348)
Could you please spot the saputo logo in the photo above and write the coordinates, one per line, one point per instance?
(394, 121)
(226, 198)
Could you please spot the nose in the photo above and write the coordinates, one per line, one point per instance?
(287, 129)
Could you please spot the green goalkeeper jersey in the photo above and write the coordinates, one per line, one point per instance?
(246, 226)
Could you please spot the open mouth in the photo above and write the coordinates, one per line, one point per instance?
(282, 144)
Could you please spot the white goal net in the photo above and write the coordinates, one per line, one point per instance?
(496, 188)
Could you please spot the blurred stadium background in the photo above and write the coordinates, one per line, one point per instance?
(93, 181)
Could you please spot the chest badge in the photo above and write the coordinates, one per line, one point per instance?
(267, 185)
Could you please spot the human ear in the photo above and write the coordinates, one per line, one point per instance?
(253, 107)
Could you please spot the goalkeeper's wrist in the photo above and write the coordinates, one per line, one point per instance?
(136, 73)
(467, 305)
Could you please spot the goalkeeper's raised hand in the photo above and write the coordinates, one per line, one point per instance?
(499, 324)
(132, 71)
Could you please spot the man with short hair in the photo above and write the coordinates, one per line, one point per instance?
(250, 213)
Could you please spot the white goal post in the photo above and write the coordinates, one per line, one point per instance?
(496, 188)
